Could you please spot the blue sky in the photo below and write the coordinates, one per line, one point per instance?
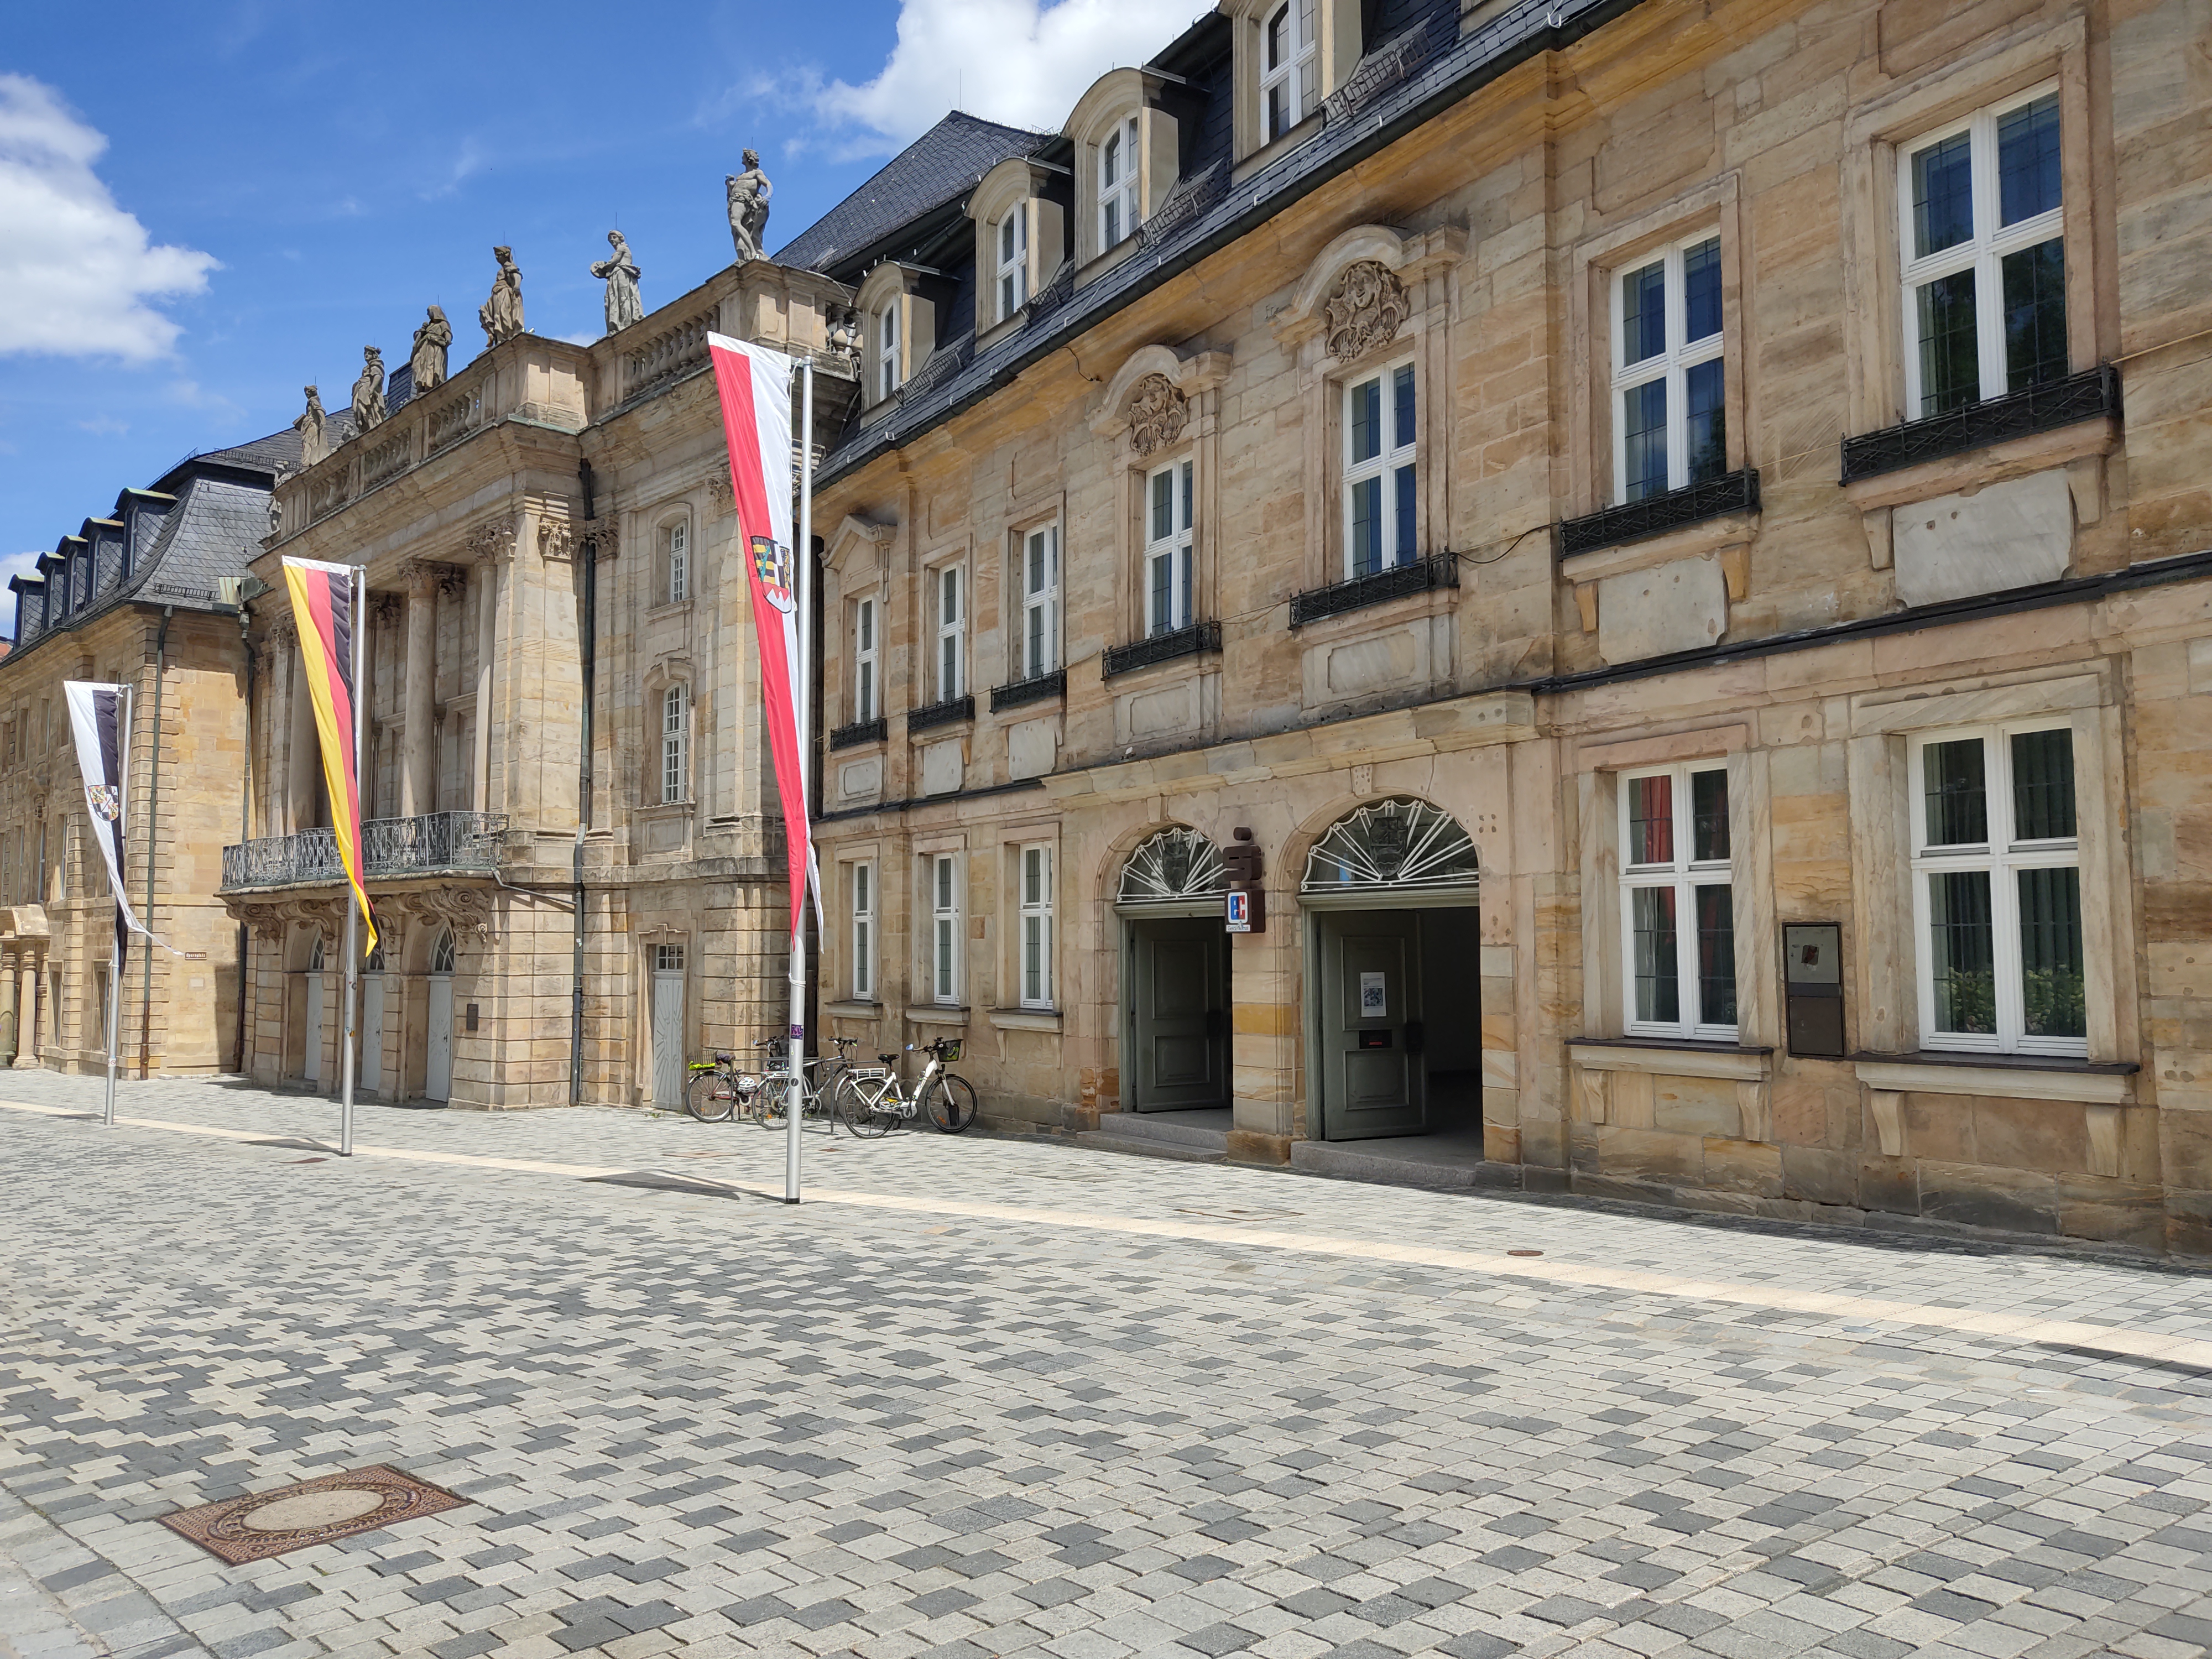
(207, 207)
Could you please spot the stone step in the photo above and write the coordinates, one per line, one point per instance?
(1145, 1146)
(1163, 1127)
(1437, 1167)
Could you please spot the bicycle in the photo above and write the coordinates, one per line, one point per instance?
(873, 1101)
(717, 1089)
(818, 1093)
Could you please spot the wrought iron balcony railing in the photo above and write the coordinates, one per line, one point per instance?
(1439, 570)
(1038, 687)
(845, 736)
(1191, 642)
(950, 712)
(1655, 515)
(431, 845)
(2094, 394)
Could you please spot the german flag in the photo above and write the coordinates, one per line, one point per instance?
(323, 608)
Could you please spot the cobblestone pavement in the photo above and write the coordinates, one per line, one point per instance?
(998, 1397)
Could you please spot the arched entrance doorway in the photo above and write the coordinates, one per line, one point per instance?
(1174, 976)
(438, 1027)
(371, 1068)
(1393, 988)
(312, 1059)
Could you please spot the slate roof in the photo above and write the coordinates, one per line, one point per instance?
(1441, 69)
(942, 164)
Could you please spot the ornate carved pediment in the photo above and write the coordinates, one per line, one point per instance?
(1157, 415)
(1366, 311)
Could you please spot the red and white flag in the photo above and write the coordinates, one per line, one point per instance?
(755, 383)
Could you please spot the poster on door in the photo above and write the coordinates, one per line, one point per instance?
(1374, 997)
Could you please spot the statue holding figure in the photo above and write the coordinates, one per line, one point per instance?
(620, 270)
(369, 391)
(428, 363)
(313, 427)
(501, 316)
(749, 192)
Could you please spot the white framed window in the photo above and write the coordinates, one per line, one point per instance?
(1036, 926)
(1381, 496)
(1677, 908)
(1290, 67)
(944, 928)
(667, 958)
(1981, 235)
(864, 682)
(864, 932)
(948, 607)
(1013, 242)
(1168, 549)
(1118, 201)
(887, 348)
(674, 745)
(1039, 651)
(676, 547)
(1996, 890)
(1670, 426)
(443, 953)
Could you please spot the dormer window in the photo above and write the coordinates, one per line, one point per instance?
(1290, 73)
(899, 330)
(1013, 243)
(887, 350)
(1119, 208)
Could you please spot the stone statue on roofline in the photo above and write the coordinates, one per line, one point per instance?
(428, 361)
(501, 316)
(749, 192)
(620, 270)
(369, 391)
(313, 427)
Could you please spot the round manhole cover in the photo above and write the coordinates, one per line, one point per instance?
(313, 1509)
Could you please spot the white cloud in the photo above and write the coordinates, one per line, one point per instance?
(76, 272)
(1014, 61)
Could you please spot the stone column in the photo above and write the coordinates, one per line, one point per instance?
(488, 574)
(27, 1016)
(418, 778)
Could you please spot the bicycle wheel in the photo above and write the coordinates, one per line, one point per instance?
(711, 1097)
(774, 1099)
(950, 1103)
(862, 1114)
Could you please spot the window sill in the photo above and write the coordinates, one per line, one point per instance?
(937, 1013)
(1026, 1019)
(860, 732)
(953, 711)
(2042, 420)
(1357, 593)
(1672, 1057)
(1726, 505)
(1038, 687)
(853, 1010)
(667, 608)
(2024, 1077)
(1198, 640)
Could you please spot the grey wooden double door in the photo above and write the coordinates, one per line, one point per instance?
(1178, 1014)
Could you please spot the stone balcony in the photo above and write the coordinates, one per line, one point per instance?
(436, 844)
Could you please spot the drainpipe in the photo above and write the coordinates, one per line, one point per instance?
(587, 551)
(245, 820)
(153, 828)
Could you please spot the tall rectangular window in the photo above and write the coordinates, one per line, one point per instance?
(1290, 67)
(1998, 891)
(1678, 914)
(1117, 185)
(1382, 437)
(864, 932)
(1168, 549)
(887, 350)
(1670, 425)
(948, 603)
(677, 537)
(1037, 927)
(1013, 261)
(864, 660)
(675, 746)
(944, 929)
(1039, 651)
(1981, 232)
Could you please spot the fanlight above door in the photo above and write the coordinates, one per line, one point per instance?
(1172, 867)
(1395, 846)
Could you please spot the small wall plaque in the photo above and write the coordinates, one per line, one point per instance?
(1812, 986)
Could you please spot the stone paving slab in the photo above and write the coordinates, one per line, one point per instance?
(692, 1425)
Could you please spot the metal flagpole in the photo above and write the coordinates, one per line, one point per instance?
(123, 720)
(802, 557)
(353, 907)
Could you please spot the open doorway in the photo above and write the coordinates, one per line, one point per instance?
(1394, 1026)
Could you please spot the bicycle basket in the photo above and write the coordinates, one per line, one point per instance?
(950, 1051)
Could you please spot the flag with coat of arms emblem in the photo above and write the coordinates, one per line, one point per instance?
(99, 721)
(755, 385)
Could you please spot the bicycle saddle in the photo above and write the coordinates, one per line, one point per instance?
(888, 1060)
(721, 1059)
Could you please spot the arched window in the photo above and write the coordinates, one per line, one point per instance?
(1118, 201)
(442, 953)
(1290, 70)
(675, 746)
(1175, 866)
(315, 956)
(1394, 844)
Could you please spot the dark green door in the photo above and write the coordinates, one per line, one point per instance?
(1374, 1080)
(1178, 1014)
